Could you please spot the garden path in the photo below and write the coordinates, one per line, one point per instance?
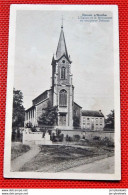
(17, 163)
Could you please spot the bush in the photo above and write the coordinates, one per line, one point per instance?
(28, 125)
(33, 129)
(49, 131)
(61, 137)
(107, 142)
(69, 138)
(55, 139)
(86, 140)
(76, 137)
(97, 138)
(58, 132)
(58, 138)
(52, 137)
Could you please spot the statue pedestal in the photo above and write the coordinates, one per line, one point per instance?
(47, 140)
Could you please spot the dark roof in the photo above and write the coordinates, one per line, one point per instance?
(94, 113)
(61, 48)
(77, 104)
(40, 95)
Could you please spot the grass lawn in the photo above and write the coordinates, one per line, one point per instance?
(57, 158)
(17, 149)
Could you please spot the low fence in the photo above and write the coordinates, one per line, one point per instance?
(101, 134)
(89, 134)
(33, 137)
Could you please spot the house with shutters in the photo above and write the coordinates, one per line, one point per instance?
(92, 120)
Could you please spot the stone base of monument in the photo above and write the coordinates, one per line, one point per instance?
(37, 138)
(47, 140)
(43, 142)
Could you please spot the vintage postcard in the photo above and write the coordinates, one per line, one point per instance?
(63, 93)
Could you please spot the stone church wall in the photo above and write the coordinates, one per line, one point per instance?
(39, 108)
(77, 111)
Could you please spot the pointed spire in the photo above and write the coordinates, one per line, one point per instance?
(61, 48)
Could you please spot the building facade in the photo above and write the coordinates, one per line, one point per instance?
(61, 93)
(92, 120)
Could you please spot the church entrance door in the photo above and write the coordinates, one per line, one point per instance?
(62, 121)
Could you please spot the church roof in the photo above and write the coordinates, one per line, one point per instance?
(61, 48)
(77, 104)
(41, 97)
(92, 113)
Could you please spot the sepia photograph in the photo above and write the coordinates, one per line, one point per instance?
(63, 94)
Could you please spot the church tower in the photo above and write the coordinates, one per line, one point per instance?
(62, 88)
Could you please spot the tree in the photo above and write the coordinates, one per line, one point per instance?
(109, 122)
(49, 115)
(18, 109)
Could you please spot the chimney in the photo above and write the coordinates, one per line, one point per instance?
(100, 112)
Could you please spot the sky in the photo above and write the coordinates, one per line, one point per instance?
(90, 46)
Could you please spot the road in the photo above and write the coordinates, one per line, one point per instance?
(101, 166)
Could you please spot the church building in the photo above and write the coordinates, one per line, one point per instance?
(61, 93)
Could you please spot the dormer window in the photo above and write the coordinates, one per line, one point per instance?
(63, 73)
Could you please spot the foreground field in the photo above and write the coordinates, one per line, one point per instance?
(57, 158)
(105, 165)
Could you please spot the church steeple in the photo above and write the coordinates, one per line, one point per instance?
(62, 88)
(61, 48)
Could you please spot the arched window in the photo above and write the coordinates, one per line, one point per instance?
(63, 73)
(63, 98)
